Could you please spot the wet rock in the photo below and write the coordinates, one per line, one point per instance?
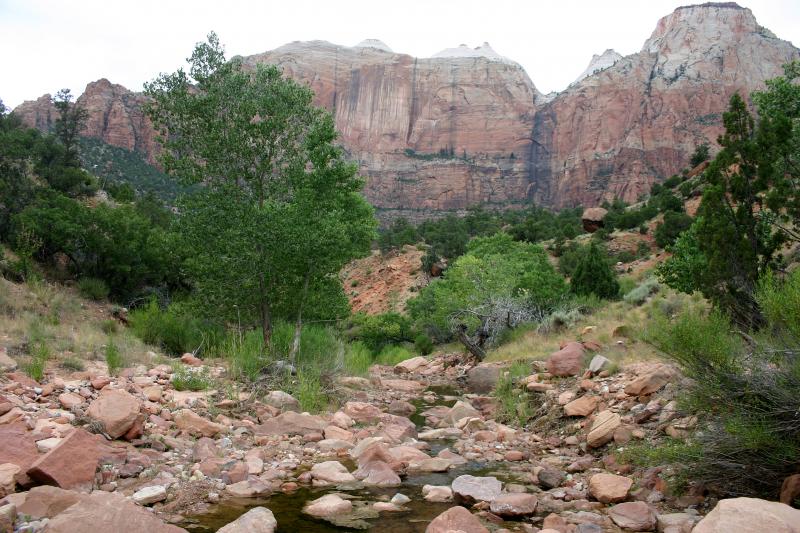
(609, 488)
(583, 406)
(603, 427)
(470, 489)
(633, 516)
(150, 495)
(282, 401)
(256, 520)
(249, 488)
(437, 493)
(194, 424)
(327, 506)
(456, 519)
(377, 473)
(483, 377)
(331, 473)
(116, 409)
(514, 505)
(567, 361)
(750, 515)
(108, 511)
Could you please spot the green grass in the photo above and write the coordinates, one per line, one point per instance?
(93, 288)
(114, 358)
(73, 363)
(357, 359)
(513, 403)
(35, 368)
(393, 354)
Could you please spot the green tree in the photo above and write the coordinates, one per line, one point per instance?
(701, 153)
(279, 208)
(594, 275)
(70, 122)
(673, 225)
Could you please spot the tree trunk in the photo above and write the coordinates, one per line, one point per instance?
(298, 326)
(266, 315)
(476, 350)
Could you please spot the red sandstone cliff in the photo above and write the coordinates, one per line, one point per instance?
(612, 133)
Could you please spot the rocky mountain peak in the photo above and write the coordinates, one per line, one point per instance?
(600, 62)
(374, 43)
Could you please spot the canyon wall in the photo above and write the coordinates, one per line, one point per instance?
(468, 126)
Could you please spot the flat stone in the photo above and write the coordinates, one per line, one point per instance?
(403, 385)
(291, 423)
(18, 446)
(410, 365)
(650, 382)
(47, 501)
(249, 488)
(331, 473)
(68, 400)
(327, 506)
(583, 406)
(633, 516)
(108, 511)
(256, 520)
(471, 488)
(597, 363)
(194, 424)
(514, 505)
(362, 411)
(150, 495)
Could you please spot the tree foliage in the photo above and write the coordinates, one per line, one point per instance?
(594, 275)
(279, 211)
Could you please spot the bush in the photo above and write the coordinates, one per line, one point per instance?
(74, 364)
(109, 327)
(423, 344)
(743, 389)
(513, 403)
(114, 358)
(641, 293)
(172, 329)
(93, 288)
(377, 331)
(674, 224)
(40, 353)
(245, 353)
(190, 378)
(593, 275)
(391, 355)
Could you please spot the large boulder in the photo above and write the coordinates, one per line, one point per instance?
(108, 511)
(410, 365)
(194, 424)
(256, 520)
(609, 488)
(568, 361)
(633, 516)
(18, 446)
(456, 519)
(603, 427)
(469, 489)
(750, 515)
(483, 377)
(116, 409)
(73, 462)
(592, 218)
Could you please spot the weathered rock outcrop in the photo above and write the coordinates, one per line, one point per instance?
(636, 122)
(468, 126)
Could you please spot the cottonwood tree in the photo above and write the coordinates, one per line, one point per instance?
(279, 208)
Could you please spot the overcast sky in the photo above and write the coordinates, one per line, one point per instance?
(48, 45)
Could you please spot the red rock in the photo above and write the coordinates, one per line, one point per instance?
(191, 360)
(567, 361)
(583, 406)
(633, 516)
(192, 423)
(116, 409)
(362, 412)
(47, 501)
(73, 462)
(650, 382)
(108, 511)
(18, 446)
(790, 489)
(609, 488)
(750, 515)
(291, 423)
(456, 519)
(514, 505)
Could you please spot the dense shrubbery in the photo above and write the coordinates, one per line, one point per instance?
(378, 331)
(173, 329)
(497, 284)
(673, 225)
(744, 389)
(448, 236)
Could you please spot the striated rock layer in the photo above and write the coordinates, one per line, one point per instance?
(469, 127)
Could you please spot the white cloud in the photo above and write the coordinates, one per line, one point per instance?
(49, 45)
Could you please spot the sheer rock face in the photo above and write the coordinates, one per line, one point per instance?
(638, 121)
(438, 134)
(387, 105)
